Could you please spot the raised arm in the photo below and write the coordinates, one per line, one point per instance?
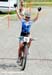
(19, 16)
(39, 9)
(36, 17)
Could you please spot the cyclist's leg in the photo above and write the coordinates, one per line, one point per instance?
(20, 49)
(19, 53)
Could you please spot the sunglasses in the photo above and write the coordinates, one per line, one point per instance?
(28, 17)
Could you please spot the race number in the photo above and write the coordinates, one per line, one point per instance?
(26, 39)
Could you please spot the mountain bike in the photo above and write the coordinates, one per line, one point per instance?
(24, 52)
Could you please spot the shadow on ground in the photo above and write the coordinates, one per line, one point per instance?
(8, 65)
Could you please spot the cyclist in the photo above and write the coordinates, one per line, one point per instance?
(26, 26)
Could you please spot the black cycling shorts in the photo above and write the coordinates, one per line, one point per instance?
(24, 34)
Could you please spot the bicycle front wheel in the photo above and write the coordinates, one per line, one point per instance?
(24, 58)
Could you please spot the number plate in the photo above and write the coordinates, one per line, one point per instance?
(26, 39)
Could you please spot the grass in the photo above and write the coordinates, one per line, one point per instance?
(27, 4)
(3, 14)
(12, 15)
(38, 0)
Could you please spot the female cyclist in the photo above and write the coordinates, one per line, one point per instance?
(26, 23)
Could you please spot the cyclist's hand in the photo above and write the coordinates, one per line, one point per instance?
(15, 5)
(39, 9)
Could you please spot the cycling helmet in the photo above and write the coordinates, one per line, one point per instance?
(27, 14)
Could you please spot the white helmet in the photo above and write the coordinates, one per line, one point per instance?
(27, 14)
